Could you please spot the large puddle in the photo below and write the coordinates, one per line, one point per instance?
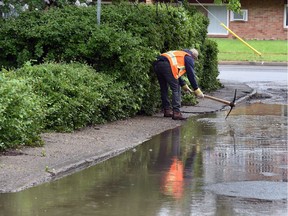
(209, 166)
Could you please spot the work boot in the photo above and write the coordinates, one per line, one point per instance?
(168, 113)
(178, 116)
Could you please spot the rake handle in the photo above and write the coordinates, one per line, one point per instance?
(220, 100)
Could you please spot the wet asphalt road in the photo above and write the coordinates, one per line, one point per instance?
(269, 82)
(253, 73)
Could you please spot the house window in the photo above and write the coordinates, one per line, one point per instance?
(242, 16)
(286, 16)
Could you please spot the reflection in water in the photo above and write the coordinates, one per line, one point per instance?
(261, 109)
(167, 174)
(261, 142)
(172, 180)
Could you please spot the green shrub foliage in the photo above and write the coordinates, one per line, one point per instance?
(124, 45)
(121, 49)
(75, 95)
(21, 114)
(208, 79)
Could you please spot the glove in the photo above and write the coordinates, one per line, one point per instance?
(199, 93)
(187, 89)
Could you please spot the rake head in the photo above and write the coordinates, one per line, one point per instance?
(232, 104)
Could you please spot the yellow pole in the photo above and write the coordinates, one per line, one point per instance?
(241, 39)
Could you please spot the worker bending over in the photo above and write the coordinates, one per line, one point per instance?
(169, 67)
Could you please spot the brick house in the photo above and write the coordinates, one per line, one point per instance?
(260, 19)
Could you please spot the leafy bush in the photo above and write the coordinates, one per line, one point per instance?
(121, 50)
(208, 78)
(123, 46)
(74, 95)
(21, 113)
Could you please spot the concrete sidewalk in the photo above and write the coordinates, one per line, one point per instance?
(67, 153)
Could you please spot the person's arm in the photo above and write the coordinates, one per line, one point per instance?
(181, 82)
(184, 86)
(189, 66)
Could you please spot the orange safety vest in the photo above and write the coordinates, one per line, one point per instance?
(177, 63)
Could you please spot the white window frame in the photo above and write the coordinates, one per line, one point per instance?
(244, 12)
(227, 21)
(285, 21)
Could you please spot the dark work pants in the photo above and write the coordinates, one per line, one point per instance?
(165, 79)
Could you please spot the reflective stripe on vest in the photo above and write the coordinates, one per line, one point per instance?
(177, 63)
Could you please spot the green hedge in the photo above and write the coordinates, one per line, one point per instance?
(74, 95)
(21, 113)
(121, 50)
(59, 97)
(208, 77)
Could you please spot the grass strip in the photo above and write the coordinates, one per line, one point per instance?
(235, 50)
